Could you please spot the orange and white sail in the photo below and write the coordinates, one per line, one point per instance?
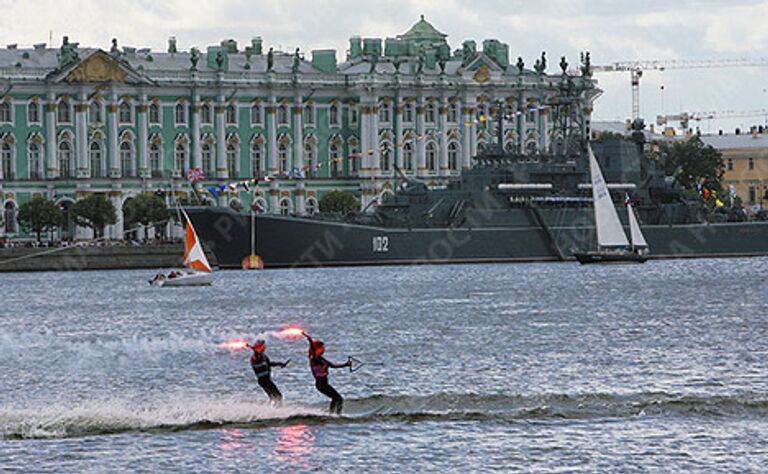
(194, 256)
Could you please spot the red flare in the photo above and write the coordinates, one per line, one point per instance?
(291, 332)
(234, 345)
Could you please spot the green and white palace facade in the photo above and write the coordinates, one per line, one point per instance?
(123, 121)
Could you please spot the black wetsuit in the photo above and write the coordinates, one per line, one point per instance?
(262, 367)
(319, 366)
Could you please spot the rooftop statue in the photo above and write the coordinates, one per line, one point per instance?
(114, 50)
(67, 53)
(563, 64)
(296, 61)
(270, 59)
(520, 64)
(194, 58)
(220, 60)
(541, 64)
(586, 66)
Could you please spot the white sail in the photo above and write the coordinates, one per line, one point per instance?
(609, 230)
(638, 240)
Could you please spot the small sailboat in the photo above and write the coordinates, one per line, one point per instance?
(198, 271)
(612, 243)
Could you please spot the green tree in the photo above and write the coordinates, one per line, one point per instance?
(339, 201)
(39, 215)
(694, 163)
(145, 209)
(95, 211)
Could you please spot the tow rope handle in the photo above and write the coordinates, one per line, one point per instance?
(356, 364)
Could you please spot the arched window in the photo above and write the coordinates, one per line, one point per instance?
(309, 158)
(232, 160)
(408, 112)
(429, 115)
(126, 159)
(453, 156)
(334, 156)
(180, 157)
(285, 206)
(333, 116)
(531, 148)
(33, 112)
(11, 226)
(231, 114)
(282, 115)
(481, 146)
(155, 160)
(96, 156)
(35, 163)
(63, 113)
(408, 157)
(94, 112)
(206, 151)
(431, 155)
(256, 114)
(352, 116)
(5, 112)
(309, 114)
(354, 152)
(312, 206)
(125, 112)
(283, 157)
(154, 114)
(65, 159)
(205, 114)
(453, 113)
(259, 205)
(180, 114)
(6, 156)
(257, 158)
(385, 156)
(385, 112)
(509, 147)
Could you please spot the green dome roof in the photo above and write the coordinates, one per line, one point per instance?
(423, 30)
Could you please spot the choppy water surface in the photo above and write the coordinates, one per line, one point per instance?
(659, 367)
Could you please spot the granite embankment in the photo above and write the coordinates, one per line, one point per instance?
(78, 257)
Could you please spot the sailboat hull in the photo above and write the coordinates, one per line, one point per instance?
(609, 257)
(185, 279)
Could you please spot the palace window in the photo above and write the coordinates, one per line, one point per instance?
(751, 164)
(232, 160)
(63, 112)
(96, 156)
(154, 114)
(126, 159)
(257, 159)
(352, 116)
(5, 112)
(408, 157)
(453, 113)
(309, 158)
(94, 112)
(285, 206)
(6, 156)
(206, 152)
(337, 169)
(408, 112)
(730, 164)
(333, 116)
(429, 113)
(33, 112)
(531, 148)
(180, 157)
(453, 156)
(284, 157)
(206, 117)
(386, 157)
(231, 114)
(11, 226)
(385, 112)
(309, 115)
(155, 159)
(282, 115)
(354, 152)
(65, 159)
(125, 112)
(33, 157)
(312, 206)
(180, 114)
(752, 195)
(431, 155)
(256, 115)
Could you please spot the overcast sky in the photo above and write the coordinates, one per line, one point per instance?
(611, 30)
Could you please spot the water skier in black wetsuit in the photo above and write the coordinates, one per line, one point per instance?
(262, 367)
(319, 366)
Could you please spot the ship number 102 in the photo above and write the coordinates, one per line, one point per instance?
(381, 244)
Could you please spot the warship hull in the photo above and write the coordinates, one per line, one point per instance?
(285, 241)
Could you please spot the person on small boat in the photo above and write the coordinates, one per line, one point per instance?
(262, 367)
(319, 366)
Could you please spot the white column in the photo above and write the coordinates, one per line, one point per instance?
(398, 142)
(50, 132)
(221, 141)
(274, 197)
(375, 145)
(421, 139)
(272, 139)
(81, 140)
(197, 153)
(443, 117)
(301, 206)
(114, 158)
(117, 228)
(467, 129)
(544, 132)
(143, 138)
(298, 135)
(365, 160)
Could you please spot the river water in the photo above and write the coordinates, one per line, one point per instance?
(661, 367)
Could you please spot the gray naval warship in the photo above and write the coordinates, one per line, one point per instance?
(508, 207)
